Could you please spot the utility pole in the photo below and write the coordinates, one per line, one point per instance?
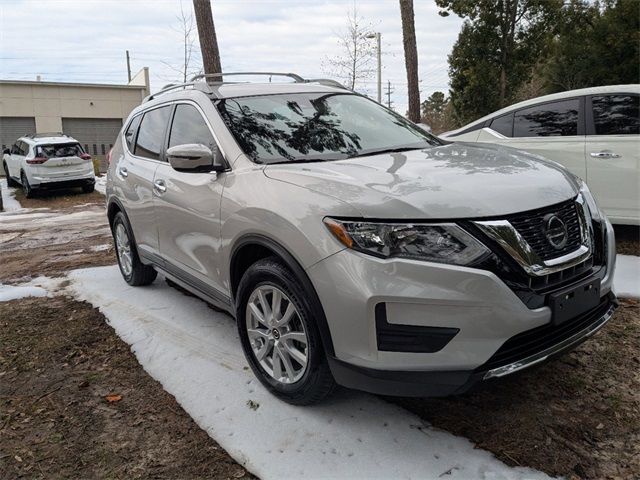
(378, 37)
(389, 92)
(128, 67)
(207, 36)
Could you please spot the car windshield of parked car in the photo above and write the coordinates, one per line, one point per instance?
(307, 127)
(60, 150)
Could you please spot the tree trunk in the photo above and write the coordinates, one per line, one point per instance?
(207, 36)
(410, 58)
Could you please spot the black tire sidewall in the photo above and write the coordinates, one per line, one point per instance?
(271, 272)
(26, 187)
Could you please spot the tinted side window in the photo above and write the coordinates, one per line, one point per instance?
(503, 124)
(616, 114)
(131, 131)
(151, 133)
(189, 127)
(549, 119)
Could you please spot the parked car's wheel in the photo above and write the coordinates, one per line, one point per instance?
(89, 188)
(133, 271)
(279, 334)
(10, 181)
(26, 187)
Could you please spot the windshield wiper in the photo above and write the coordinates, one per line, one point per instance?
(387, 150)
(298, 160)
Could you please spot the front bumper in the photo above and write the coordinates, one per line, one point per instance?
(448, 323)
(453, 382)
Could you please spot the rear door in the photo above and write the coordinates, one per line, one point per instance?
(18, 153)
(613, 154)
(63, 160)
(554, 130)
(188, 206)
(143, 142)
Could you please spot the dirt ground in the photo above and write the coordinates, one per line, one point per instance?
(61, 231)
(75, 403)
(577, 416)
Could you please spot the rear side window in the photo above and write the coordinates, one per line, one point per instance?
(550, 119)
(151, 133)
(503, 124)
(130, 134)
(189, 127)
(60, 150)
(616, 114)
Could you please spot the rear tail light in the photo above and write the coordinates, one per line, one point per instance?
(85, 156)
(36, 160)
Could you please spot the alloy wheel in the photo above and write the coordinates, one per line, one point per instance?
(277, 334)
(123, 247)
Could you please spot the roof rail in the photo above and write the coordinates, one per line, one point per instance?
(296, 78)
(46, 134)
(326, 81)
(202, 86)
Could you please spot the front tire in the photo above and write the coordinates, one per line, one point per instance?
(280, 336)
(134, 272)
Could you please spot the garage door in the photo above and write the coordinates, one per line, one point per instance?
(96, 135)
(12, 128)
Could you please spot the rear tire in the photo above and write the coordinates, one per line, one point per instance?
(285, 350)
(10, 181)
(26, 188)
(88, 188)
(134, 272)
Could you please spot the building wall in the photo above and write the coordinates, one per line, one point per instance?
(48, 103)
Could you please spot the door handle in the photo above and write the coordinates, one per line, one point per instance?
(159, 186)
(123, 171)
(605, 154)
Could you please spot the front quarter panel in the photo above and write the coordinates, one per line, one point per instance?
(254, 204)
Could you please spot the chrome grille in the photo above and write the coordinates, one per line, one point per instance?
(531, 226)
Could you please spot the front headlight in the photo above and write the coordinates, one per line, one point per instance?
(594, 209)
(442, 243)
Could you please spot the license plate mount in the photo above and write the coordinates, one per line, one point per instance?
(573, 301)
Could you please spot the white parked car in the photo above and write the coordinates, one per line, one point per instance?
(594, 132)
(48, 161)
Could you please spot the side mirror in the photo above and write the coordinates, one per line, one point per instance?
(194, 157)
(7, 151)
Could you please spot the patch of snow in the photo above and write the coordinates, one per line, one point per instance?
(8, 197)
(100, 248)
(626, 280)
(195, 353)
(37, 287)
(101, 184)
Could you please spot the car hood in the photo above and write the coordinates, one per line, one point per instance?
(451, 181)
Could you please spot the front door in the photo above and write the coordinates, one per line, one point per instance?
(613, 155)
(187, 207)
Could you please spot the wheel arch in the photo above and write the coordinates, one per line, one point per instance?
(250, 248)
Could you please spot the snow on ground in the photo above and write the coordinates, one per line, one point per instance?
(196, 355)
(626, 281)
(38, 287)
(101, 183)
(8, 199)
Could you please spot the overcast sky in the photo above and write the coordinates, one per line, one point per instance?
(85, 40)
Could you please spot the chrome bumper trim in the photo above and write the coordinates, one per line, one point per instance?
(543, 355)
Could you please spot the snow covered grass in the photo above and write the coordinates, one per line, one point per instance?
(626, 281)
(196, 355)
(38, 287)
(8, 197)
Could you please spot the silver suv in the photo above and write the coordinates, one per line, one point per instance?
(351, 246)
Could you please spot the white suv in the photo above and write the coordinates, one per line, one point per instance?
(592, 132)
(350, 245)
(48, 161)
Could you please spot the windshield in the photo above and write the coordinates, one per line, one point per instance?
(317, 126)
(59, 150)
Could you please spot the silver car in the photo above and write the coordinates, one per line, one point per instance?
(351, 246)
